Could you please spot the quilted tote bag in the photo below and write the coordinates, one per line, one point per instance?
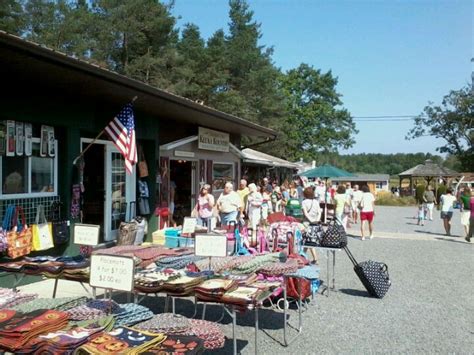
(335, 236)
(6, 226)
(313, 235)
(42, 231)
(19, 239)
(59, 225)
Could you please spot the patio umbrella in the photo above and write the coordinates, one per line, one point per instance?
(325, 172)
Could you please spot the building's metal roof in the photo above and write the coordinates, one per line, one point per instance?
(252, 156)
(364, 177)
(24, 62)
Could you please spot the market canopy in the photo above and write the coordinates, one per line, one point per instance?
(428, 169)
(326, 171)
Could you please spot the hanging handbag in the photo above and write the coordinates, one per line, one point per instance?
(313, 235)
(335, 235)
(6, 226)
(60, 225)
(42, 231)
(19, 239)
(127, 230)
(142, 165)
(296, 288)
(143, 206)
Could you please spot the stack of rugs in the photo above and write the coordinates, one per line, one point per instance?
(152, 280)
(67, 340)
(212, 290)
(170, 324)
(51, 266)
(183, 285)
(17, 329)
(178, 262)
(124, 314)
(58, 304)
(10, 298)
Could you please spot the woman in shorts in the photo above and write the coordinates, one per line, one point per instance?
(465, 199)
(367, 211)
(447, 208)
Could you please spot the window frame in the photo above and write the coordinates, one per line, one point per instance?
(30, 194)
(213, 177)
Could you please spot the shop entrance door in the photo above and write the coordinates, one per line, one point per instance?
(109, 190)
(182, 178)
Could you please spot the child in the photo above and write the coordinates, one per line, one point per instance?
(421, 215)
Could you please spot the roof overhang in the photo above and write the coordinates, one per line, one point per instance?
(25, 63)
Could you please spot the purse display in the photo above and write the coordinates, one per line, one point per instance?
(335, 236)
(6, 226)
(59, 224)
(42, 231)
(142, 165)
(313, 235)
(19, 239)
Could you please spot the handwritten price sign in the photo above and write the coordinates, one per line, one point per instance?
(112, 272)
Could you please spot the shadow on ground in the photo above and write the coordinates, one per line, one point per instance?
(356, 293)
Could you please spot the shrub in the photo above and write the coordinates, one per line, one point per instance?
(419, 191)
(385, 198)
(441, 191)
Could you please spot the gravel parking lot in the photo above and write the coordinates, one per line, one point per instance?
(429, 308)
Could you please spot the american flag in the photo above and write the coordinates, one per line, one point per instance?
(122, 132)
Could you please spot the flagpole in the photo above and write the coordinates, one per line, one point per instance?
(95, 139)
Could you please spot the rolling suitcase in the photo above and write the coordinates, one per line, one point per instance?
(373, 274)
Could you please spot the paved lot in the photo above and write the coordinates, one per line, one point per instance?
(429, 309)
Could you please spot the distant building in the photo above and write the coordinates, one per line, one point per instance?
(375, 182)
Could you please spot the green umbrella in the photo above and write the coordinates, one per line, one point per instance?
(325, 172)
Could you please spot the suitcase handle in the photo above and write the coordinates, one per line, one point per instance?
(351, 257)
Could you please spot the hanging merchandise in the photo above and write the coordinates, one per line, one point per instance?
(10, 138)
(51, 145)
(142, 165)
(28, 139)
(44, 141)
(42, 231)
(19, 238)
(19, 131)
(143, 203)
(60, 225)
(3, 138)
(76, 201)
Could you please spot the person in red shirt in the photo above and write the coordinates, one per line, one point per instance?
(471, 220)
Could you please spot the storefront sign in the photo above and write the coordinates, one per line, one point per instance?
(183, 154)
(189, 225)
(112, 272)
(86, 234)
(210, 245)
(213, 140)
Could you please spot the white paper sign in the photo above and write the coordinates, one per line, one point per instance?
(210, 245)
(112, 272)
(189, 225)
(86, 234)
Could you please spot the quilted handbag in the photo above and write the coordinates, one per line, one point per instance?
(20, 238)
(335, 236)
(6, 226)
(127, 233)
(59, 224)
(313, 235)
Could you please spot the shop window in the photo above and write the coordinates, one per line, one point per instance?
(221, 173)
(29, 176)
(378, 185)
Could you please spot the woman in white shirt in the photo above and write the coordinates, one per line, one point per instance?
(254, 206)
(367, 213)
(312, 215)
(447, 209)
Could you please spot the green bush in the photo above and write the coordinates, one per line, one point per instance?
(441, 191)
(419, 191)
(388, 199)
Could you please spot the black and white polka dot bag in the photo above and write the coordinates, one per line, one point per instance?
(373, 275)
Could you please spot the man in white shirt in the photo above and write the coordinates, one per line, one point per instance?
(356, 199)
(228, 204)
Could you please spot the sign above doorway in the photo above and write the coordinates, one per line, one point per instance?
(213, 140)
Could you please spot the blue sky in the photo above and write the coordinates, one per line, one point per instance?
(391, 57)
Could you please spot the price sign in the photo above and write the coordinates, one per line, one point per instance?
(189, 225)
(86, 234)
(210, 245)
(112, 272)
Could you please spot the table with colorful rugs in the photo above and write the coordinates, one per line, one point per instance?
(31, 325)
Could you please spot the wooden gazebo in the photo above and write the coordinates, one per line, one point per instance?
(427, 171)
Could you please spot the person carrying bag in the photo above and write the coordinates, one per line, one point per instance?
(42, 231)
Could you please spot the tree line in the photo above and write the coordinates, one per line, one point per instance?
(230, 71)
